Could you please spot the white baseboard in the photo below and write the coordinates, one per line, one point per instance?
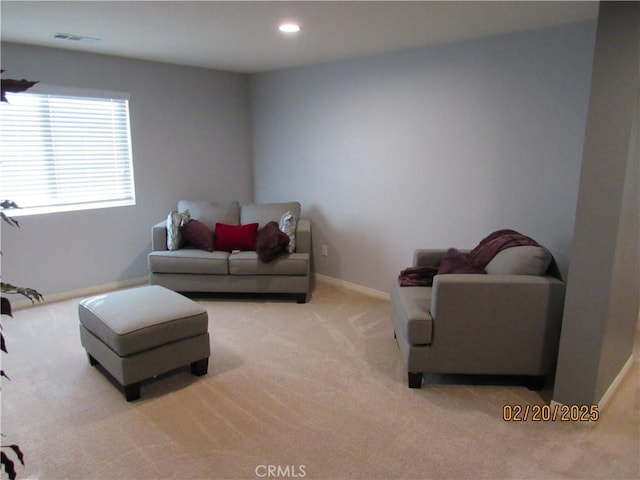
(608, 395)
(354, 287)
(107, 287)
(562, 411)
(83, 292)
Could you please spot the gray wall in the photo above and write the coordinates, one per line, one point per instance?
(429, 147)
(601, 309)
(433, 147)
(190, 130)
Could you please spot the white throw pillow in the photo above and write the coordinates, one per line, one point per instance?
(287, 225)
(175, 220)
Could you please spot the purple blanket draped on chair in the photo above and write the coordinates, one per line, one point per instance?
(478, 258)
(473, 262)
(496, 242)
(417, 276)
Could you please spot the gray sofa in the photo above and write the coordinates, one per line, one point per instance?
(504, 322)
(191, 269)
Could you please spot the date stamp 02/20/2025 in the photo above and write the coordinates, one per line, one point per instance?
(550, 413)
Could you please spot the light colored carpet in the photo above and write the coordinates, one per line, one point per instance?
(316, 391)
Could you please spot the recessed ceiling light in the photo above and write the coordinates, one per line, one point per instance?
(289, 28)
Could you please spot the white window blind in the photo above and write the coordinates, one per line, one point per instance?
(64, 152)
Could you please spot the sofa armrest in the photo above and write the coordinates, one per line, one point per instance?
(303, 236)
(159, 236)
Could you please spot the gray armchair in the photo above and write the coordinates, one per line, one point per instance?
(499, 323)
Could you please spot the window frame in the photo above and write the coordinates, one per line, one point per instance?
(122, 161)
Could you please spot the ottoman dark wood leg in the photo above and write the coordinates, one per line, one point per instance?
(132, 391)
(200, 367)
(535, 382)
(92, 361)
(415, 379)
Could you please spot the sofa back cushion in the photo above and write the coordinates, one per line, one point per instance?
(523, 260)
(211, 213)
(264, 213)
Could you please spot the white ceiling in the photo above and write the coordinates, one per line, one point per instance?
(242, 36)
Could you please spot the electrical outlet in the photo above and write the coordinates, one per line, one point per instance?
(325, 251)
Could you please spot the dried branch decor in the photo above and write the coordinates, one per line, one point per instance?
(9, 454)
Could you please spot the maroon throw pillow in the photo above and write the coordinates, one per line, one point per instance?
(235, 237)
(198, 234)
(270, 242)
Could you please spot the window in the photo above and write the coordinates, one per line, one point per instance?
(61, 152)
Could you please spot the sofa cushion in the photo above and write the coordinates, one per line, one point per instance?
(198, 234)
(271, 242)
(189, 260)
(523, 260)
(235, 237)
(248, 263)
(264, 213)
(175, 221)
(211, 213)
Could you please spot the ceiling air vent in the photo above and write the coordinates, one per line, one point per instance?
(75, 38)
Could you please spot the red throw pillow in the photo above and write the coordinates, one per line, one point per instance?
(198, 234)
(235, 237)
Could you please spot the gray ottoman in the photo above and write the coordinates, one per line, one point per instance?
(138, 333)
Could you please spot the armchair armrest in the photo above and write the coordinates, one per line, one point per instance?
(472, 295)
(159, 236)
(303, 236)
(518, 316)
